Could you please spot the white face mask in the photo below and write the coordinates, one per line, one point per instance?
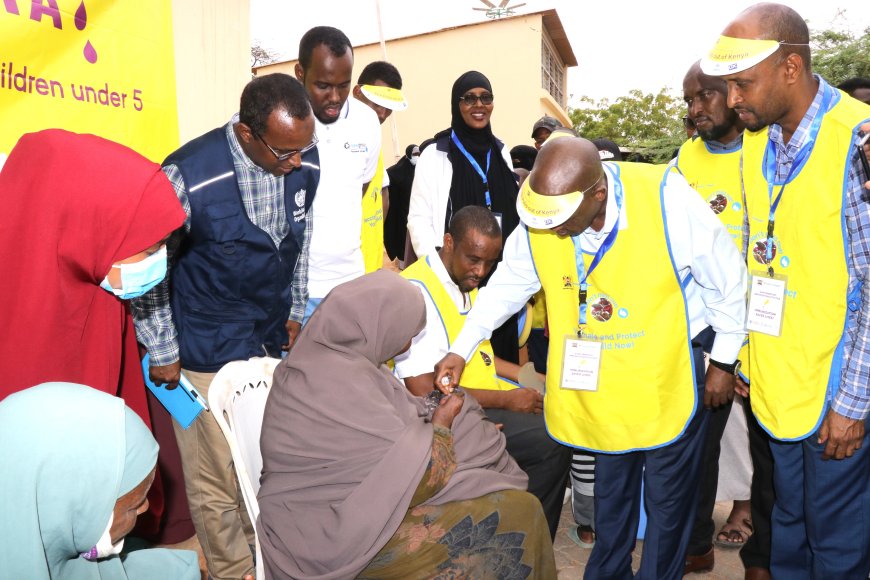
(414, 159)
(104, 547)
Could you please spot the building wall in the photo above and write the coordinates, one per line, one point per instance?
(212, 61)
(507, 51)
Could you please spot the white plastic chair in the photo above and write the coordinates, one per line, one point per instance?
(237, 397)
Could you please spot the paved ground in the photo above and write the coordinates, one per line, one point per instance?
(571, 558)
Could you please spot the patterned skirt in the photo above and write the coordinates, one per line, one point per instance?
(499, 536)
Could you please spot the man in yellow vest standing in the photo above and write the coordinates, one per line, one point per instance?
(710, 162)
(634, 266)
(808, 319)
(380, 87)
(449, 278)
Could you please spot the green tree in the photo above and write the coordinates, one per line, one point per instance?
(650, 124)
(838, 54)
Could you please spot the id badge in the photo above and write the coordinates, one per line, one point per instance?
(497, 217)
(766, 303)
(581, 362)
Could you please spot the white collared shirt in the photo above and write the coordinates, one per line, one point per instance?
(430, 346)
(701, 248)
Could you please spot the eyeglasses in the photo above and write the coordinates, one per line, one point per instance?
(470, 100)
(288, 154)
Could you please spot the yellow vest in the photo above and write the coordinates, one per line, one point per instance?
(479, 372)
(646, 387)
(372, 238)
(792, 373)
(716, 177)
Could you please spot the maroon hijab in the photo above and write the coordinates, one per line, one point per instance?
(70, 206)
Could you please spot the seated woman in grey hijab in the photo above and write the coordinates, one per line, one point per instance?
(76, 467)
(361, 479)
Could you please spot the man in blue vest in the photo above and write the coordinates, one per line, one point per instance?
(237, 285)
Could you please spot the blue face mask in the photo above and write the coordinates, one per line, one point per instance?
(139, 277)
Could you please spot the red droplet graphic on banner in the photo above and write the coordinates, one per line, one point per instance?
(81, 16)
(90, 53)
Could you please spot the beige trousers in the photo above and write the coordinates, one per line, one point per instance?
(216, 505)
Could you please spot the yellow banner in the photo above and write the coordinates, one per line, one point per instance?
(91, 66)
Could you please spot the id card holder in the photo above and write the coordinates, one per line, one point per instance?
(497, 216)
(581, 363)
(765, 311)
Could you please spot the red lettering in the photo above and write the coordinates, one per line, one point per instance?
(38, 10)
(11, 6)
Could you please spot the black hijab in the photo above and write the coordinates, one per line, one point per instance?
(466, 186)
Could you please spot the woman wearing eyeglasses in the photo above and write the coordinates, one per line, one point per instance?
(467, 166)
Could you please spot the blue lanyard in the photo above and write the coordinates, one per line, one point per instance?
(799, 161)
(582, 273)
(476, 166)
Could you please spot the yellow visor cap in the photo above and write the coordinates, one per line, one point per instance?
(387, 97)
(734, 55)
(559, 133)
(546, 211)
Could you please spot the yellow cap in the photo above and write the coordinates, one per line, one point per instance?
(388, 97)
(546, 211)
(732, 55)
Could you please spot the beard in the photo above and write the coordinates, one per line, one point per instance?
(716, 132)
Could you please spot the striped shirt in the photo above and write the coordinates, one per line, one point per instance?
(263, 199)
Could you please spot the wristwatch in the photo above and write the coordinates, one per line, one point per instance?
(732, 369)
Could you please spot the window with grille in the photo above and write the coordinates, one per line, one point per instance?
(552, 71)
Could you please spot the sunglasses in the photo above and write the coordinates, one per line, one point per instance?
(288, 154)
(470, 100)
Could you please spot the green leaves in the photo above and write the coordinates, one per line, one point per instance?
(839, 54)
(649, 124)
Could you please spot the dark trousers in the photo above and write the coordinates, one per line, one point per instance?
(821, 518)
(670, 476)
(701, 540)
(756, 552)
(545, 461)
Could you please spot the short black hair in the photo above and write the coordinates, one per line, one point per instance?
(473, 218)
(853, 84)
(333, 38)
(380, 70)
(267, 93)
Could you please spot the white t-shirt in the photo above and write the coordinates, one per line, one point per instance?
(349, 150)
(431, 345)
